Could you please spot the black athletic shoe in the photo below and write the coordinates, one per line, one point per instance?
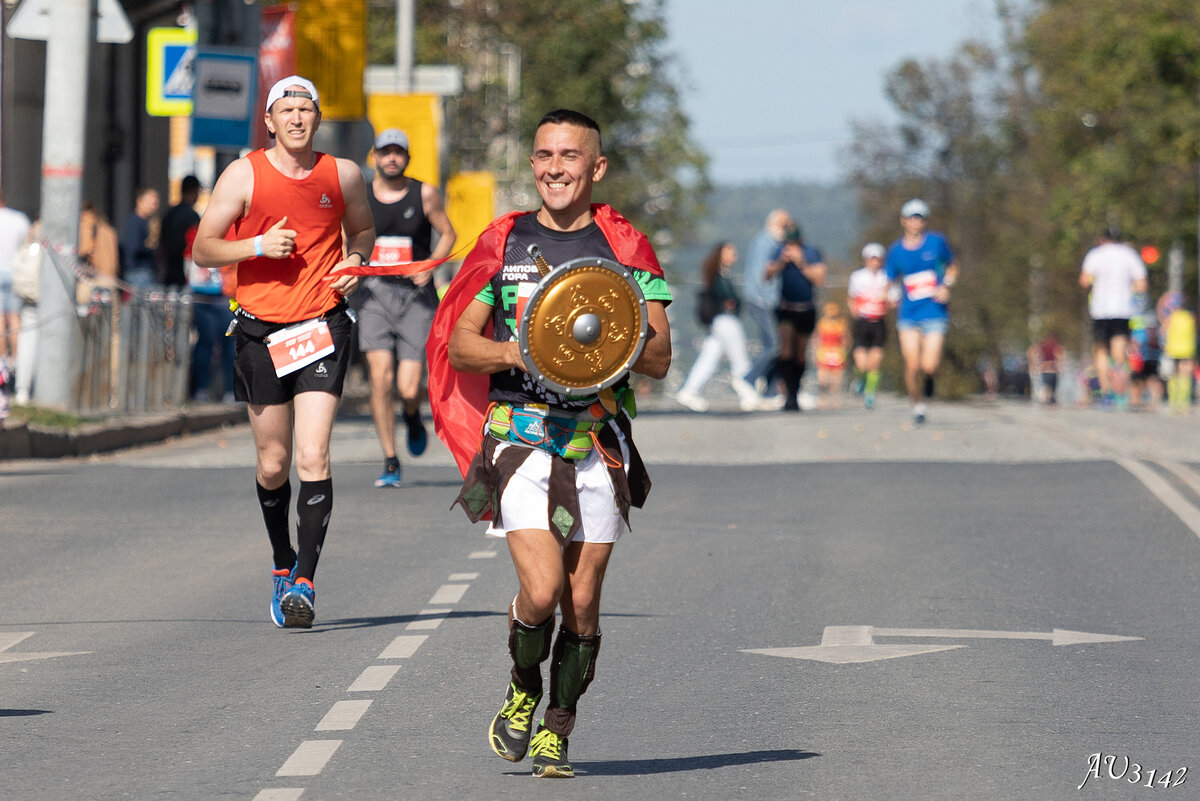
(417, 438)
(510, 729)
(549, 752)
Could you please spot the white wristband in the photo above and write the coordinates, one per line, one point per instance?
(258, 251)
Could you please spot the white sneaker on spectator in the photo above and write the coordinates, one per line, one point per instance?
(748, 399)
(691, 400)
(773, 403)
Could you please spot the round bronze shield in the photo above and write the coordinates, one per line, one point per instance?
(584, 326)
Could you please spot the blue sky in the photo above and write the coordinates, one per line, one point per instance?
(771, 86)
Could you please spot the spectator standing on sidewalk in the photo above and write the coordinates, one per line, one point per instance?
(760, 297)
(139, 241)
(178, 230)
(725, 335)
(801, 272)
(14, 228)
(27, 275)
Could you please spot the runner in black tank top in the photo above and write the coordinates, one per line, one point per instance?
(404, 218)
(397, 311)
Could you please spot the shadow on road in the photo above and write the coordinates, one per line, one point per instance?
(644, 767)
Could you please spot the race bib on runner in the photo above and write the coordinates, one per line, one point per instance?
(922, 285)
(299, 346)
(870, 308)
(392, 250)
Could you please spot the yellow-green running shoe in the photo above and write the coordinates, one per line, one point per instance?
(509, 732)
(549, 752)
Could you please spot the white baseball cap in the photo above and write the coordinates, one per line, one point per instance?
(282, 86)
(391, 136)
(873, 250)
(915, 208)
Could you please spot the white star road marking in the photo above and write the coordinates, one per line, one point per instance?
(10, 638)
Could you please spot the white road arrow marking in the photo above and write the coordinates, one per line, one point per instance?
(842, 645)
(10, 638)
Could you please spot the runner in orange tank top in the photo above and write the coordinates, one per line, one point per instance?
(294, 217)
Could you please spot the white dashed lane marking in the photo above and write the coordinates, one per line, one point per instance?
(428, 619)
(403, 646)
(448, 594)
(280, 794)
(482, 555)
(374, 678)
(309, 758)
(343, 716)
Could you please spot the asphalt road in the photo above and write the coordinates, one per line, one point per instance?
(831, 605)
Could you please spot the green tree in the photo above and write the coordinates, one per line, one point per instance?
(955, 145)
(1117, 120)
(602, 57)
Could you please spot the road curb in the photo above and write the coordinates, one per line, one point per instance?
(21, 441)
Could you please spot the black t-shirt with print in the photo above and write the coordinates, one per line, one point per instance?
(519, 276)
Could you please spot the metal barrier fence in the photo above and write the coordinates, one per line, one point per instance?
(136, 353)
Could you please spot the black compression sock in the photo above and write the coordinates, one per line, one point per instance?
(275, 505)
(314, 506)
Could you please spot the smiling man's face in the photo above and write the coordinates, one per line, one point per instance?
(566, 162)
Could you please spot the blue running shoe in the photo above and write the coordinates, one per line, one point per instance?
(299, 605)
(417, 438)
(282, 580)
(390, 477)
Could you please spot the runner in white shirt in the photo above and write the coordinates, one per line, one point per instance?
(1114, 273)
(867, 297)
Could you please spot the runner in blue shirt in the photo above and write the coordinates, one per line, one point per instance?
(923, 265)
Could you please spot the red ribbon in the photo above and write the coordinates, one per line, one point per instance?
(410, 268)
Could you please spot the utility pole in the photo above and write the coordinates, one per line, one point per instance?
(68, 57)
(405, 25)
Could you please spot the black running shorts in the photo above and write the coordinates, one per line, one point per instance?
(254, 379)
(869, 333)
(1103, 331)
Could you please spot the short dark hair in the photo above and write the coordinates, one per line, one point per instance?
(567, 116)
(190, 183)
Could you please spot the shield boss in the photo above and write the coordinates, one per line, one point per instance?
(583, 326)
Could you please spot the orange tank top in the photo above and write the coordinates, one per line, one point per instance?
(291, 289)
(830, 338)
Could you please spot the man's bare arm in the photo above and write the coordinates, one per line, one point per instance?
(471, 352)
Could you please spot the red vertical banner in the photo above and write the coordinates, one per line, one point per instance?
(276, 54)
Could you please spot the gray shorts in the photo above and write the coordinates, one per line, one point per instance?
(9, 302)
(395, 316)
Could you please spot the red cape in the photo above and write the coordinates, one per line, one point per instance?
(458, 401)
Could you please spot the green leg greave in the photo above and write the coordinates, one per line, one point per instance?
(529, 647)
(571, 671)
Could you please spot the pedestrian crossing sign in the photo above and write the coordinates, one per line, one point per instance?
(170, 53)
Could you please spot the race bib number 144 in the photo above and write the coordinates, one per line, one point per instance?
(299, 346)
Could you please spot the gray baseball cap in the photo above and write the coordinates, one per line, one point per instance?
(391, 136)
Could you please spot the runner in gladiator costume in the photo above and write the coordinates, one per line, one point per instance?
(555, 474)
